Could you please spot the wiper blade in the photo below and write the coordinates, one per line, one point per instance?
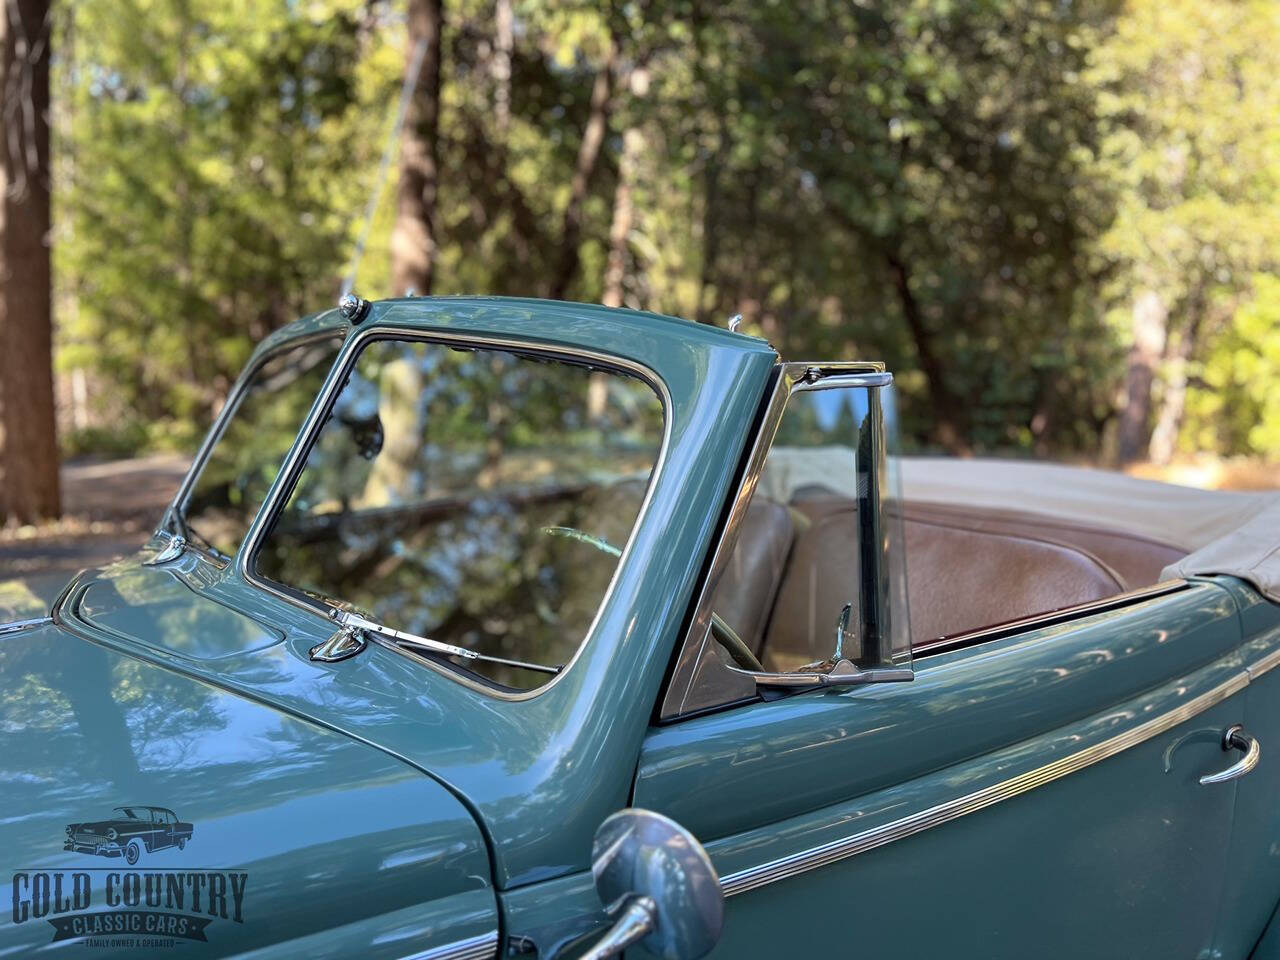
(414, 642)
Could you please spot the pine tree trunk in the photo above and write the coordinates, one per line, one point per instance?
(1150, 320)
(615, 273)
(503, 43)
(414, 238)
(584, 171)
(31, 490)
(1173, 402)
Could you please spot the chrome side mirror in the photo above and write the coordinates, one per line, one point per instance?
(658, 884)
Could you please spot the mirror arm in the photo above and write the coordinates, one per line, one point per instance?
(638, 918)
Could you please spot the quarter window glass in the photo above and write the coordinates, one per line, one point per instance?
(479, 498)
(258, 432)
(796, 591)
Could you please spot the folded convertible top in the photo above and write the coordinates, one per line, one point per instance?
(1227, 532)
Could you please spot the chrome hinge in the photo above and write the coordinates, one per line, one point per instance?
(347, 642)
(172, 550)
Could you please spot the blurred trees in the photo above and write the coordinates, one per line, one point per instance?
(219, 148)
(1054, 221)
(1191, 93)
(414, 239)
(30, 489)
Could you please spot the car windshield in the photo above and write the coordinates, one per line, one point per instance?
(473, 498)
(127, 813)
(254, 437)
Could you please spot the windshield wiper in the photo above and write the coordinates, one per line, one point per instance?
(411, 641)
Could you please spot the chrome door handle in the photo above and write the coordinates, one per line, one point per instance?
(1236, 739)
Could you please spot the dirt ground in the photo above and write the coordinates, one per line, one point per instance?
(110, 507)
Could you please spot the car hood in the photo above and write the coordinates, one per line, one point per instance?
(327, 830)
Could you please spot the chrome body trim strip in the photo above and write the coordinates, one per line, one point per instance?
(294, 462)
(19, 625)
(482, 947)
(1269, 662)
(780, 869)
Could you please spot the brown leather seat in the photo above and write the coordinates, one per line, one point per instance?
(960, 577)
(746, 592)
(1137, 560)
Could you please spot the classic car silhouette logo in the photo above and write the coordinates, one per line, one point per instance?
(118, 908)
(130, 832)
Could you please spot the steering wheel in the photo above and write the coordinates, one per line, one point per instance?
(728, 638)
(721, 632)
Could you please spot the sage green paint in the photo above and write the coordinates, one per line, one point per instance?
(419, 812)
(331, 833)
(1124, 858)
(532, 777)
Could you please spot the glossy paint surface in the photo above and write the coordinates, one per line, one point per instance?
(1132, 842)
(1251, 892)
(539, 773)
(963, 704)
(330, 832)
(383, 809)
(158, 609)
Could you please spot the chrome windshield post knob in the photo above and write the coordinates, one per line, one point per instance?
(658, 884)
(353, 308)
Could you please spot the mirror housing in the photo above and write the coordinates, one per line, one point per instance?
(657, 882)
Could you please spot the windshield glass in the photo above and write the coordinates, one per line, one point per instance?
(126, 813)
(477, 498)
(255, 437)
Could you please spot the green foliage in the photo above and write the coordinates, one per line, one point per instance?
(209, 177)
(1237, 408)
(973, 192)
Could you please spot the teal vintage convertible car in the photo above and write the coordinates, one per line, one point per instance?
(503, 628)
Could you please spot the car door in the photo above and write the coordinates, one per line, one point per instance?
(1037, 794)
(1252, 889)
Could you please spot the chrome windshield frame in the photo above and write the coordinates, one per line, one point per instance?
(283, 485)
(178, 504)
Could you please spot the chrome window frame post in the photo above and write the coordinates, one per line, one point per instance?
(696, 654)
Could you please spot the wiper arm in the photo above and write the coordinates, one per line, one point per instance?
(414, 642)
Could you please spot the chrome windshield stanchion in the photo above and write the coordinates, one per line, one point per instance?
(347, 642)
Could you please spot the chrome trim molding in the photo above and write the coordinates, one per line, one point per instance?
(295, 460)
(865, 840)
(1269, 662)
(19, 625)
(482, 947)
(232, 403)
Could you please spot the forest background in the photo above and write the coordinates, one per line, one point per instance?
(1055, 220)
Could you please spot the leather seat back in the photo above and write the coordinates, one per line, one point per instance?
(958, 579)
(1137, 560)
(745, 594)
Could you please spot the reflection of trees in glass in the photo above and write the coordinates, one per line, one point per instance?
(243, 463)
(440, 530)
